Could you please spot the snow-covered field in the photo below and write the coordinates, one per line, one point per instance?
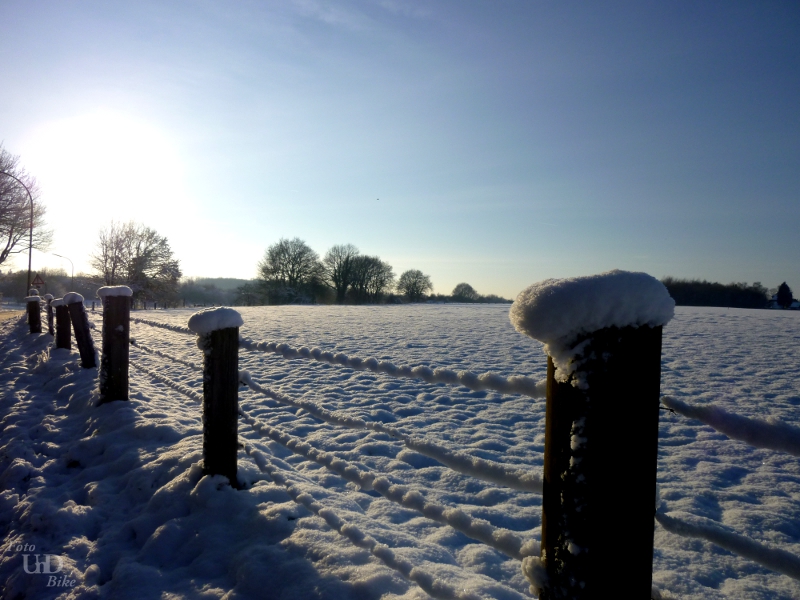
(114, 493)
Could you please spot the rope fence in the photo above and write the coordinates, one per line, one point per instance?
(515, 384)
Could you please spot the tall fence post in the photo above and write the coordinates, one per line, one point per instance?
(218, 333)
(80, 324)
(114, 363)
(63, 334)
(603, 340)
(34, 306)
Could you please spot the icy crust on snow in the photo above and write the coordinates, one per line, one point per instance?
(114, 290)
(72, 298)
(558, 312)
(212, 319)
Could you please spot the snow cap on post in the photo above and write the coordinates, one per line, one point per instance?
(114, 290)
(211, 319)
(57, 302)
(72, 298)
(33, 298)
(33, 292)
(48, 296)
(559, 310)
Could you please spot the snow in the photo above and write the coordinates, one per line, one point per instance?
(48, 296)
(33, 292)
(557, 309)
(114, 290)
(72, 298)
(343, 496)
(772, 558)
(57, 302)
(33, 299)
(558, 312)
(486, 381)
(771, 434)
(212, 319)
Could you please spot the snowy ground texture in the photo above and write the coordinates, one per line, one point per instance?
(115, 494)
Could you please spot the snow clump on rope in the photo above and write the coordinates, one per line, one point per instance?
(212, 319)
(558, 312)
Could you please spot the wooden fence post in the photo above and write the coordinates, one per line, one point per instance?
(49, 299)
(63, 335)
(80, 324)
(602, 335)
(601, 451)
(34, 306)
(114, 363)
(218, 332)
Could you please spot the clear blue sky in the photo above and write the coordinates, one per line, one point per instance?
(498, 143)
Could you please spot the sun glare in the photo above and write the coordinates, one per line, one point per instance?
(102, 166)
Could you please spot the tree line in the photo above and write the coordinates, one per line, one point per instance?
(291, 272)
(694, 292)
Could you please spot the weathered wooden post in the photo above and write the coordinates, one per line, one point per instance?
(116, 342)
(63, 335)
(602, 335)
(218, 333)
(49, 299)
(34, 306)
(80, 325)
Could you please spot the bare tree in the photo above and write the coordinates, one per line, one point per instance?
(291, 272)
(464, 292)
(339, 262)
(371, 278)
(134, 255)
(413, 284)
(15, 209)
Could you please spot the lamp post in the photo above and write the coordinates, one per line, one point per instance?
(72, 285)
(30, 238)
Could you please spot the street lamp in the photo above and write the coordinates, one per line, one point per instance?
(30, 238)
(72, 285)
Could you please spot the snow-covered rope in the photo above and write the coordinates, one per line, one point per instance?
(771, 558)
(155, 352)
(466, 464)
(516, 384)
(433, 587)
(771, 434)
(500, 539)
(183, 389)
(177, 328)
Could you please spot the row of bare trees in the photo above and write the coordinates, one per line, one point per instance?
(292, 272)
